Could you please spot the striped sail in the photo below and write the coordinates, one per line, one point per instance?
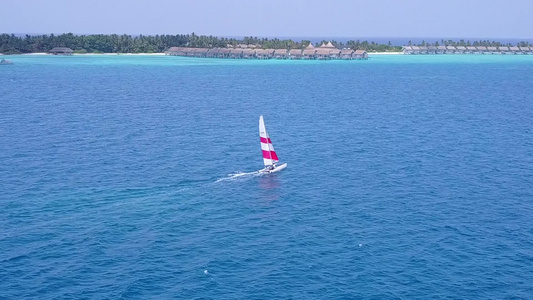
(269, 155)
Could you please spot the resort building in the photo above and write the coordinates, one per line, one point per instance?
(460, 50)
(324, 52)
(281, 54)
(295, 54)
(235, 53)
(211, 53)
(360, 54)
(61, 51)
(248, 53)
(471, 49)
(514, 50)
(346, 54)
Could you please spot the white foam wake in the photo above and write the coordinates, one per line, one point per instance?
(234, 176)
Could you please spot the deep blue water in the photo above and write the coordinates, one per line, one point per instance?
(409, 177)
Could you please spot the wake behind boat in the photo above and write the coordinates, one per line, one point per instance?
(270, 158)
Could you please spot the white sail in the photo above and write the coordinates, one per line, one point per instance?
(269, 155)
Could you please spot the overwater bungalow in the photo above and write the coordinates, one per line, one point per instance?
(524, 50)
(471, 49)
(212, 53)
(223, 53)
(334, 54)
(432, 49)
(482, 49)
(416, 49)
(360, 54)
(515, 50)
(248, 53)
(264, 53)
(407, 50)
(174, 51)
(309, 54)
(450, 49)
(424, 50)
(441, 49)
(61, 51)
(295, 54)
(281, 54)
(504, 50)
(235, 53)
(346, 54)
(322, 53)
(460, 50)
(200, 52)
(493, 50)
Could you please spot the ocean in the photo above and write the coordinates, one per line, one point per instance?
(131, 177)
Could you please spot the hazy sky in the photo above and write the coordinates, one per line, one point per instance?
(281, 18)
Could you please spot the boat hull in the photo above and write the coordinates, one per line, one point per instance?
(276, 169)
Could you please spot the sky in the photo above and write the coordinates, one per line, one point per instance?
(273, 18)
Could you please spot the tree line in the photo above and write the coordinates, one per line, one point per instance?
(114, 43)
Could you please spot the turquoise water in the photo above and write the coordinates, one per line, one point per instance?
(409, 177)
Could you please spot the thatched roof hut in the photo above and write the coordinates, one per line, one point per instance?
(360, 54)
(264, 53)
(212, 52)
(295, 53)
(223, 53)
(346, 54)
(502, 48)
(322, 53)
(235, 53)
(450, 49)
(61, 51)
(199, 52)
(280, 53)
(309, 53)
(248, 53)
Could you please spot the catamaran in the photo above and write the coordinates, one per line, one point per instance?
(270, 158)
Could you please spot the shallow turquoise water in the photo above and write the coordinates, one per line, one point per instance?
(409, 177)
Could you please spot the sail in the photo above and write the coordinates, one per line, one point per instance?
(269, 155)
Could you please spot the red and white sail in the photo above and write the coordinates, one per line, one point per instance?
(269, 155)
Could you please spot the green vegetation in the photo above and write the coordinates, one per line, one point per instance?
(113, 43)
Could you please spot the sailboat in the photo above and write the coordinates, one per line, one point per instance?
(270, 158)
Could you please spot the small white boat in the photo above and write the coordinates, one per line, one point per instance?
(270, 158)
(5, 62)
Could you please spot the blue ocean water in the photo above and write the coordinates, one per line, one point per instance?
(409, 177)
